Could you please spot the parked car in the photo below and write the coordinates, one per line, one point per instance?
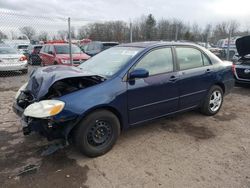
(242, 60)
(122, 87)
(58, 54)
(95, 47)
(11, 60)
(33, 54)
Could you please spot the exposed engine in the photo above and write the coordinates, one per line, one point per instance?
(60, 88)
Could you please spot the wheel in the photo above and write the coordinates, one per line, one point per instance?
(25, 71)
(55, 63)
(97, 133)
(213, 101)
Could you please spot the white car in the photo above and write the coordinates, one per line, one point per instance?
(12, 60)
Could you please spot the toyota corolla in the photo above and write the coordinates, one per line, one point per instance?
(121, 87)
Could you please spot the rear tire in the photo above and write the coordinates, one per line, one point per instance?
(213, 101)
(97, 133)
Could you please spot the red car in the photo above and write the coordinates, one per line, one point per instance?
(58, 54)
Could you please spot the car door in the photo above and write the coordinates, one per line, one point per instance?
(196, 76)
(51, 55)
(156, 95)
(43, 55)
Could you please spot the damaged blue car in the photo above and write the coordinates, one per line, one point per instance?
(124, 86)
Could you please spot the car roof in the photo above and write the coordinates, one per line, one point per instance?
(148, 44)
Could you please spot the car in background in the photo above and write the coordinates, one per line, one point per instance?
(95, 47)
(58, 54)
(22, 48)
(33, 54)
(12, 60)
(121, 87)
(242, 60)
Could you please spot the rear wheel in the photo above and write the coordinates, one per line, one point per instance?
(213, 101)
(97, 133)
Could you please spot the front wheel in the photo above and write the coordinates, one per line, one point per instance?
(97, 133)
(213, 101)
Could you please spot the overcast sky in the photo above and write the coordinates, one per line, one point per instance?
(191, 11)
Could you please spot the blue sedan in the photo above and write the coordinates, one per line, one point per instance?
(121, 87)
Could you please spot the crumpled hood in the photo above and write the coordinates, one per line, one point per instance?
(243, 46)
(42, 79)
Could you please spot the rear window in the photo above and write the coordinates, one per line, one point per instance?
(21, 47)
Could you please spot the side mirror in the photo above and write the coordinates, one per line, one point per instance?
(51, 53)
(138, 73)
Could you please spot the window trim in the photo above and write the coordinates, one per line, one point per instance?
(145, 54)
(192, 47)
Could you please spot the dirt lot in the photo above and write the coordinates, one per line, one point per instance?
(190, 150)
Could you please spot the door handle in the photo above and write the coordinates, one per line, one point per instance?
(173, 78)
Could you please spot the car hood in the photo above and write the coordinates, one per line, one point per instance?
(42, 79)
(243, 46)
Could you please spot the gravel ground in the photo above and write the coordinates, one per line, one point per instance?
(189, 150)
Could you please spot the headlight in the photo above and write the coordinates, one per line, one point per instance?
(45, 108)
(65, 61)
(21, 89)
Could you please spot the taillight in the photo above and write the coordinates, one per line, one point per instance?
(233, 68)
(23, 58)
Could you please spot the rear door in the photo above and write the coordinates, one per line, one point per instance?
(196, 76)
(43, 54)
(156, 95)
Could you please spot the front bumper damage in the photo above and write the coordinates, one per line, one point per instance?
(49, 127)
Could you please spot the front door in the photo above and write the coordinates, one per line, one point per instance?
(156, 95)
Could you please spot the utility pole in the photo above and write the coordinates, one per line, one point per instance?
(228, 43)
(131, 31)
(176, 32)
(70, 44)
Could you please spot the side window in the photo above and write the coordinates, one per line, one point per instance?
(189, 58)
(157, 62)
(46, 49)
(51, 48)
(206, 61)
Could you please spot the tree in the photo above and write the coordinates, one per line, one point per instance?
(28, 31)
(150, 27)
(43, 36)
(3, 35)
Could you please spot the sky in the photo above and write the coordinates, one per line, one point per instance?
(201, 12)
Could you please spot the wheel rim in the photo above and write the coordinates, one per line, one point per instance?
(215, 101)
(100, 133)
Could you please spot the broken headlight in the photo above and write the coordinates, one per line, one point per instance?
(44, 109)
(21, 89)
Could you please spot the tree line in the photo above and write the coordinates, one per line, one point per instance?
(145, 28)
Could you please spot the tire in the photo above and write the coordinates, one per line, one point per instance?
(97, 133)
(25, 71)
(213, 101)
(55, 63)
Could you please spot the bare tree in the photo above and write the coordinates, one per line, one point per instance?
(28, 31)
(43, 36)
(3, 35)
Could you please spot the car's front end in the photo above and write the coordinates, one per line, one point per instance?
(40, 105)
(242, 64)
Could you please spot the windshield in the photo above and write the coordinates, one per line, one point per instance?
(8, 51)
(110, 61)
(64, 49)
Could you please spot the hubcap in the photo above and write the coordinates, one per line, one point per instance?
(215, 101)
(100, 133)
